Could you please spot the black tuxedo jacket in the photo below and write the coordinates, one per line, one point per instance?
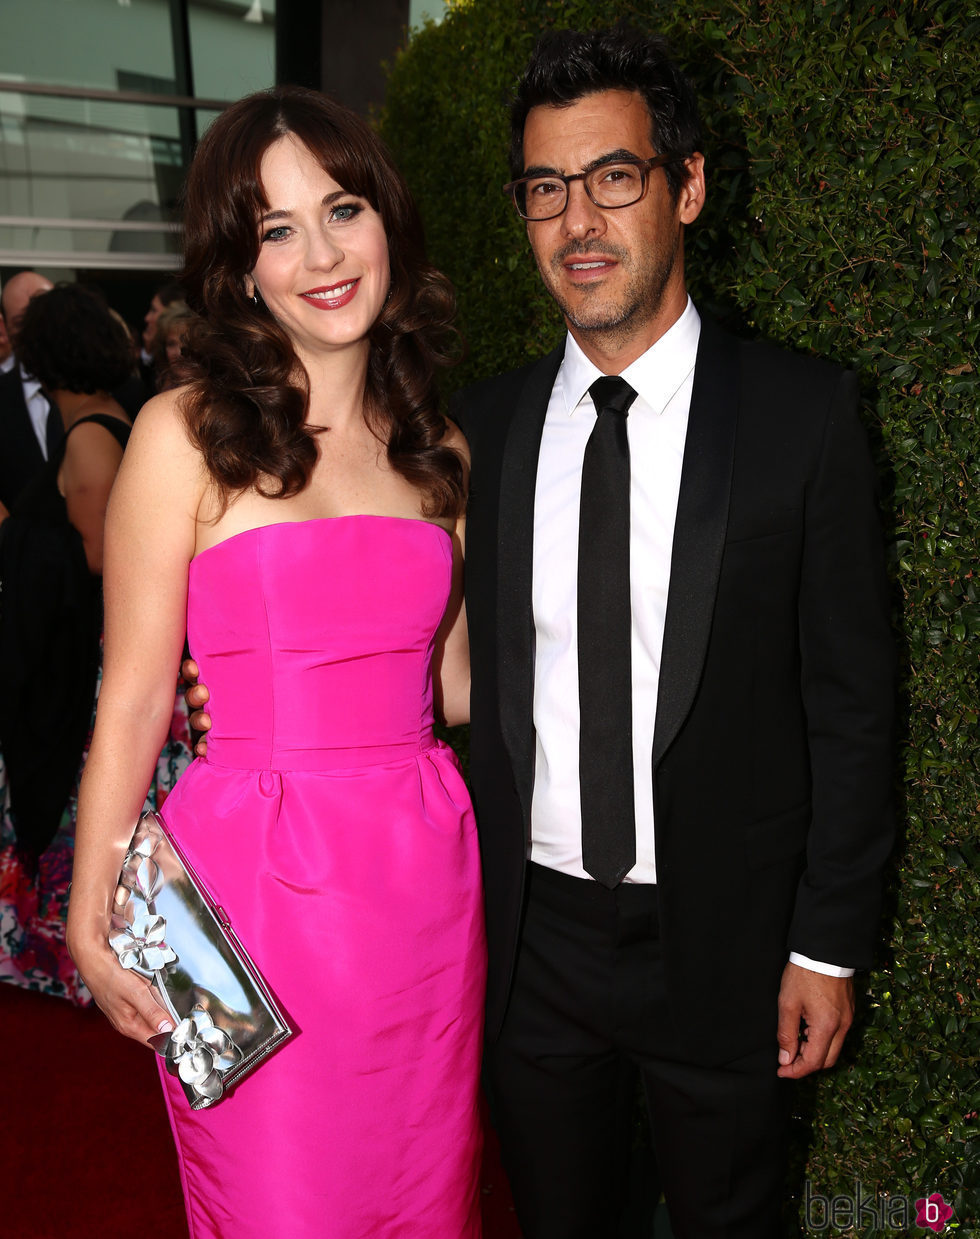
(772, 764)
(20, 453)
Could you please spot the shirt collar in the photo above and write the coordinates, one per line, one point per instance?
(31, 385)
(656, 375)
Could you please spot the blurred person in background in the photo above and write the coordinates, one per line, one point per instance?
(6, 349)
(29, 428)
(18, 292)
(133, 392)
(165, 296)
(7, 363)
(50, 630)
(172, 327)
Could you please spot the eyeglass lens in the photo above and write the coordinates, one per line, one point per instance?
(610, 185)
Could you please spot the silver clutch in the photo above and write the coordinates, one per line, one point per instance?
(167, 928)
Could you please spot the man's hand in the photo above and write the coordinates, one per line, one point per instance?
(826, 1006)
(197, 695)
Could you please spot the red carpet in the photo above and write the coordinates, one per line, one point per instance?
(81, 1111)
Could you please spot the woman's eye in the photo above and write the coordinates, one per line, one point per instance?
(276, 234)
(345, 211)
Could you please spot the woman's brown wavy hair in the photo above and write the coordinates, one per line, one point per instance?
(243, 407)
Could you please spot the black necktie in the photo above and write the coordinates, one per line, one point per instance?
(604, 679)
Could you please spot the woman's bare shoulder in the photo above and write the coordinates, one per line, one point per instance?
(160, 456)
(164, 417)
(160, 436)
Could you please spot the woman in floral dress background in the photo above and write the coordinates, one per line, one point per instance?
(34, 904)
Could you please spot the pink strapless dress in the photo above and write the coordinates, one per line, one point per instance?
(339, 836)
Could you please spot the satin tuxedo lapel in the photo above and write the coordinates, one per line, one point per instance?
(515, 626)
(699, 530)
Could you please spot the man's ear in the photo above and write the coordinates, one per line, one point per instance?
(690, 199)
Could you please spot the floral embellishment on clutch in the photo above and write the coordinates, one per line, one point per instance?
(142, 945)
(225, 1021)
(201, 1054)
(140, 872)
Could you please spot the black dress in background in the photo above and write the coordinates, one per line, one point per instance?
(50, 623)
(50, 665)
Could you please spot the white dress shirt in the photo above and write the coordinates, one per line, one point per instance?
(657, 426)
(663, 378)
(38, 408)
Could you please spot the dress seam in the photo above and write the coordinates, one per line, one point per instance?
(414, 755)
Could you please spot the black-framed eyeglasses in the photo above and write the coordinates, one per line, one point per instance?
(618, 183)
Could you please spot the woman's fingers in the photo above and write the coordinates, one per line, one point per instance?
(149, 1017)
(127, 1000)
(136, 1014)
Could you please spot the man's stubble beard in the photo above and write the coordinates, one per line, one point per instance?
(613, 326)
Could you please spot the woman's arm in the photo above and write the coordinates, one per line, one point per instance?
(149, 542)
(451, 656)
(92, 458)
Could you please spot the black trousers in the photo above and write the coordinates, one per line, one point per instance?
(587, 1014)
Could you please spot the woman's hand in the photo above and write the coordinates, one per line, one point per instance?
(197, 695)
(125, 998)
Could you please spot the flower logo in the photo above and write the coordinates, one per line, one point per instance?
(933, 1213)
(141, 946)
(200, 1054)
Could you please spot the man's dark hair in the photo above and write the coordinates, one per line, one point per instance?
(169, 292)
(568, 65)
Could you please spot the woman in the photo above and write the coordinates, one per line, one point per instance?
(50, 630)
(172, 327)
(301, 500)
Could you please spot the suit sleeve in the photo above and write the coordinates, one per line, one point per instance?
(847, 671)
(457, 410)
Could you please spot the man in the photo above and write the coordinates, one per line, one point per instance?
(678, 903)
(6, 349)
(27, 429)
(683, 816)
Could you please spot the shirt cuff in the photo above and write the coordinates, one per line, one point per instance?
(828, 970)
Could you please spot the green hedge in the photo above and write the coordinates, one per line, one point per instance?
(844, 182)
